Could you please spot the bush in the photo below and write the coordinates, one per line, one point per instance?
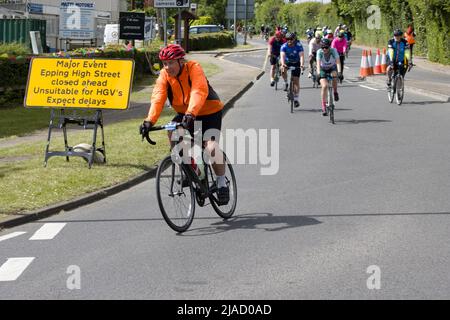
(14, 49)
(210, 41)
(203, 20)
(14, 71)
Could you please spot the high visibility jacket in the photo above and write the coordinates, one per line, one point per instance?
(189, 92)
(398, 51)
(410, 38)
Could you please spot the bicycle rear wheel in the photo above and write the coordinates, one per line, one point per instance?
(400, 90)
(176, 199)
(277, 76)
(227, 210)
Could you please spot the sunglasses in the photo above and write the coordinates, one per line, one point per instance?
(325, 47)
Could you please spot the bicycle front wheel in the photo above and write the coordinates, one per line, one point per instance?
(391, 92)
(227, 210)
(176, 196)
(330, 103)
(291, 94)
(400, 90)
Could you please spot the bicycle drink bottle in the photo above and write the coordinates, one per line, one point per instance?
(199, 169)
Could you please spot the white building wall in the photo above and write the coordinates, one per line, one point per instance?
(107, 11)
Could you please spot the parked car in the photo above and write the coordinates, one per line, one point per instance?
(207, 28)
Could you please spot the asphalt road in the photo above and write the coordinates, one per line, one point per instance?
(369, 193)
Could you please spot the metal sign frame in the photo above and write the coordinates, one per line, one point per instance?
(78, 117)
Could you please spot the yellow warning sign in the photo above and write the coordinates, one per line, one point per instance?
(79, 83)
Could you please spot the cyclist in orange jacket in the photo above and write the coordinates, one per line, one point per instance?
(185, 85)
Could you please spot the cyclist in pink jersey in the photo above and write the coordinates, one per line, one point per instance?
(340, 44)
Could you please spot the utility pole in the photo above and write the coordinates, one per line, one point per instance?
(245, 23)
(133, 6)
(235, 26)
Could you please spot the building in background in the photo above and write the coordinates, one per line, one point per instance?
(104, 12)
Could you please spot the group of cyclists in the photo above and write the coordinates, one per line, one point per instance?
(327, 53)
(192, 97)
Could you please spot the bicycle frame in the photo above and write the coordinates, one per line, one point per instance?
(277, 73)
(290, 94)
(203, 190)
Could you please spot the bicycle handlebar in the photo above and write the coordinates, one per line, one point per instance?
(171, 126)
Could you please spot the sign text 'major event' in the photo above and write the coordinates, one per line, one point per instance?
(79, 83)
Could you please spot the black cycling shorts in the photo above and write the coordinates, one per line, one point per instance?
(210, 121)
(296, 72)
(273, 59)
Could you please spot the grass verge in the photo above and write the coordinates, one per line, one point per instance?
(26, 185)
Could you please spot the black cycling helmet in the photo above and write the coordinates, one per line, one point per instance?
(325, 42)
(291, 35)
(398, 32)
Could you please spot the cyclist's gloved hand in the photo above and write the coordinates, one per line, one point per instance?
(340, 76)
(188, 121)
(144, 128)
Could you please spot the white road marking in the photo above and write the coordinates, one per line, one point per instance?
(13, 268)
(11, 235)
(369, 88)
(48, 231)
(345, 67)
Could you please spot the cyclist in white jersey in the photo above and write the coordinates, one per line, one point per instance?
(328, 62)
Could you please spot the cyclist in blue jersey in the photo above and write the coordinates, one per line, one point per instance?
(399, 55)
(292, 55)
(273, 52)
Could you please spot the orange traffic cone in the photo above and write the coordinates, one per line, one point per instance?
(383, 62)
(364, 69)
(377, 68)
(369, 57)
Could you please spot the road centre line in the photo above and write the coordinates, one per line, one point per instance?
(363, 86)
(13, 268)
(11, 235)
(48, 231)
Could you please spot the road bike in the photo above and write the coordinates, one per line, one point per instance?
(290, 94)
(314, 75)
(397, 87)
(349, 46)
(330, 100)
(179, 185)
(342, 59)
(277, 73)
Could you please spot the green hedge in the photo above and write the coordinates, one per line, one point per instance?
(210, 41)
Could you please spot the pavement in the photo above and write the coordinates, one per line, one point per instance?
(233, 81)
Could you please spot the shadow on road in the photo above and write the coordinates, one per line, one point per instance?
(424, 103)
(354, 121)
(318, 110)
(260, 221)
